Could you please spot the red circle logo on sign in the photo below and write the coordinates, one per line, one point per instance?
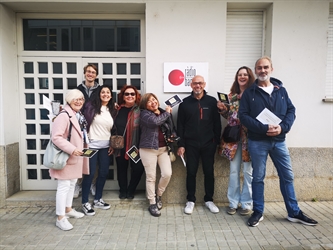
(176, 77)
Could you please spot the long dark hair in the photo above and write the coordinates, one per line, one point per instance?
(97, 104)
(235, 86)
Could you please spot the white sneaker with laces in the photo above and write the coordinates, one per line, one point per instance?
(74, 214)
(212, 207)
(189, 207)
(93, 189)
(77, 191)
(64, 224)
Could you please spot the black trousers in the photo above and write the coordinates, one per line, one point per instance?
(135, 177)
(193, 155)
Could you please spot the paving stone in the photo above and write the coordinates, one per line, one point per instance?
(132, 227)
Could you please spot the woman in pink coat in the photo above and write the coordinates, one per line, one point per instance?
(76, 164)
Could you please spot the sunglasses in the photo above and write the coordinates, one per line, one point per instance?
(127, 94)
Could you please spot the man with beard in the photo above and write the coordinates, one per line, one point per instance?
(199, 128)
(268, 139)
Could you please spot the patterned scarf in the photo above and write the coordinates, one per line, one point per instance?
(83, 125)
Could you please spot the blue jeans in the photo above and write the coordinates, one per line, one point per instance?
(103, 160)
(279, 154)
(235, 196)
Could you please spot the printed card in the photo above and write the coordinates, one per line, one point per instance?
(88, 152)
(133, 153)
(173, 101)
(223, 97)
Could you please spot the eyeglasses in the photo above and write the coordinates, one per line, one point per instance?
(78, 100)
(200, 83)
(127, 94)
(91, 72)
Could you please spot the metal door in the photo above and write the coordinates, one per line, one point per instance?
(52, 77)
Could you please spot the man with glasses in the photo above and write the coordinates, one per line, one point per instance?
(199, 128)
(89, 86)
(89, 89)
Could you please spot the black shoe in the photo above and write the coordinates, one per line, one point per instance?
(130, 196)
(153, 210)
(255, 219)
(303, 218)
(159, 203)
(122, 196)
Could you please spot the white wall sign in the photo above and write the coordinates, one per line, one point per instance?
(178, 76)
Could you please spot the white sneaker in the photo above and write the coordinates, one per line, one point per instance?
(93, 189)
(211, 206)
(77, 191)
(189, 207)
(64, 224)
(74, 214)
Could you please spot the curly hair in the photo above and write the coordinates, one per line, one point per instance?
(97, 104)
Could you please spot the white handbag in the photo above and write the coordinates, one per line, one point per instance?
(54, 157)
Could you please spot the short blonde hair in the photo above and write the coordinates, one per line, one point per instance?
(73, 94)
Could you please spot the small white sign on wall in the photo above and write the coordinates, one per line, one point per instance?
(178, 76)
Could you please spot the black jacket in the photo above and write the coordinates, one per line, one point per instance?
(198, 122)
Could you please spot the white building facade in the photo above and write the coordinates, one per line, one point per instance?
(44, 46)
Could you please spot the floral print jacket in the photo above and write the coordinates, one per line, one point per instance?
(228, 149)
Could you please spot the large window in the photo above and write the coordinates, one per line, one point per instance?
(81, 35)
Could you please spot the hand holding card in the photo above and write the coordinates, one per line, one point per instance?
(223, 98)
(173, 101)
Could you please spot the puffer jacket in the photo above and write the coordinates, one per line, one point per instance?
(149, 124)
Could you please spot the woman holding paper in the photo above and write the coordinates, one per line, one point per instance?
(127, 123)
(153, 150)
(237, 152)
(71, 122)
(98, 113)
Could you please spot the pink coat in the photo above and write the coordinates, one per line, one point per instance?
(76, 165)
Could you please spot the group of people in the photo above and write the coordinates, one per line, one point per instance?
(143, 123)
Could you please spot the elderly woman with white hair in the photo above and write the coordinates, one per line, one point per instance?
(70, 120)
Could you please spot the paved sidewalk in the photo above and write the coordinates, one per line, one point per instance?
(130, 226)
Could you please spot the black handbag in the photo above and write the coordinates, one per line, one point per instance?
(232, 133)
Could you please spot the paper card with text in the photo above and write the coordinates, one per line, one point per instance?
(223, 97)
(88, 152)
(133, 153)
(173, 101)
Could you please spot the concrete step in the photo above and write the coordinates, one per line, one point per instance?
(47, 198)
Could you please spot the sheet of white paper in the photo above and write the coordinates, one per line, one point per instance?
(182, 157)
(47, 104)
(267, 117)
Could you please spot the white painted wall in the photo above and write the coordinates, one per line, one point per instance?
(184, 32)
(299, 52)
(195, 32)
(9, 96)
